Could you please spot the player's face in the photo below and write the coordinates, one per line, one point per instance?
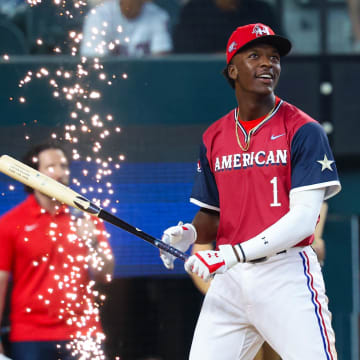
(256, 69)
(53, 163)
(131, 8)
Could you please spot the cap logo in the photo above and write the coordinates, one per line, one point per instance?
(232, 47)
(260, 30)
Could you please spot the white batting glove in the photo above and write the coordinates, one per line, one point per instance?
(207, 263)
(181, 237)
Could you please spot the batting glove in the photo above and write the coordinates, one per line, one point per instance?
(181, 237)
(207, 263)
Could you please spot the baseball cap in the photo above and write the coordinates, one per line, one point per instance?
(252, 34)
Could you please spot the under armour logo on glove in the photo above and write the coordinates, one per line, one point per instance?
(205, 264)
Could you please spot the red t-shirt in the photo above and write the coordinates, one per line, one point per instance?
(50, 299)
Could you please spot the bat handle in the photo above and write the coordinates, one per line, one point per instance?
(171, 250)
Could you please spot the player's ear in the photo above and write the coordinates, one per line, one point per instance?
(232, 71)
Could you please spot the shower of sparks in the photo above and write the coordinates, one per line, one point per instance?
(73, 87)
(83, 126)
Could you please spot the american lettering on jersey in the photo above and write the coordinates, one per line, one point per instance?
(289, 152)
(242, 161)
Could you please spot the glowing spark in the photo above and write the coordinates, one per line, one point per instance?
(44, 71)
(94, 95)
(86, 343)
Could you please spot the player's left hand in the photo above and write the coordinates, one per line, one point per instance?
(207, 263)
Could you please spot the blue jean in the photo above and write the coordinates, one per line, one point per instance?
(40, 350)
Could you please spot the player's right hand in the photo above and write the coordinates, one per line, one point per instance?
(181, 237)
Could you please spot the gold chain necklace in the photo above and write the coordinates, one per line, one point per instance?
(237, 124)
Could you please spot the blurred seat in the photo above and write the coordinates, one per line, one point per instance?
(172, 7)
(12, 39)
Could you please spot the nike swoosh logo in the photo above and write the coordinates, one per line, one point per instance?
(29, 228)
(274, 137)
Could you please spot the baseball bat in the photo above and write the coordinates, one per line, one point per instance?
(54, 189)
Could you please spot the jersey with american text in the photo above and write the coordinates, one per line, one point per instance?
(288, 152)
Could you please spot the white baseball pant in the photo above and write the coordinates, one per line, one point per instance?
(281, 300)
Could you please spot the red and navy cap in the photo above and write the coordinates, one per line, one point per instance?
(252, 34)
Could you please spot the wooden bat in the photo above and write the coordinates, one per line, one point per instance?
(54, 189)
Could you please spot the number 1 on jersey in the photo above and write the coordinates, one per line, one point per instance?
(275, 202)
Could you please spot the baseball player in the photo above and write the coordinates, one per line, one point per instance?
(265, 168)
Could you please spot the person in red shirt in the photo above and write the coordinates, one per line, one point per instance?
(54, 259)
